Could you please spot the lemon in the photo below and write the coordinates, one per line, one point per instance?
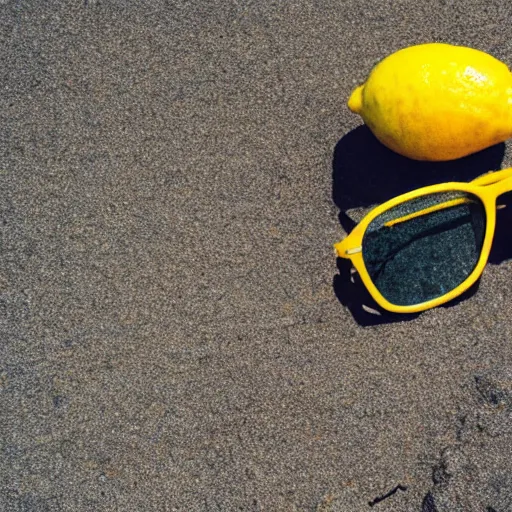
(437, 101)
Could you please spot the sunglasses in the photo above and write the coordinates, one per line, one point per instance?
(426, 247)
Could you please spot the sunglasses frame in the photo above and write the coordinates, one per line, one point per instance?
(487, 188)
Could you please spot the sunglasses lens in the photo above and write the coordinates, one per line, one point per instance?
(424, 248)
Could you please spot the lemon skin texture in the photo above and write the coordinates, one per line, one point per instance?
(437, 101)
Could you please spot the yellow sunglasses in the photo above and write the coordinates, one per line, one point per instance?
(426, 247)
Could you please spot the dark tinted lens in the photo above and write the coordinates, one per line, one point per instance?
(426, 247)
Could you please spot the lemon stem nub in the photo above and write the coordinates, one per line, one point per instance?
(355, 102)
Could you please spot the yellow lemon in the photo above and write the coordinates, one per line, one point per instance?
(437, 101)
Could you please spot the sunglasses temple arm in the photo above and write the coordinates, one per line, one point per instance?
(430, 209)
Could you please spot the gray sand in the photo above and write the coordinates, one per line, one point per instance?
(170, 335)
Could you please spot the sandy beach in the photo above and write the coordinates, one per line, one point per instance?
(175, 331)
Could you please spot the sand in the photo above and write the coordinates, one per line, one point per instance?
(175, 333)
